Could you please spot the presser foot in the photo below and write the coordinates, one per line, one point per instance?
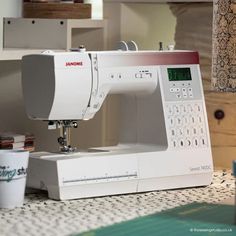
(65, 148)
(64, 140)
(68, 149)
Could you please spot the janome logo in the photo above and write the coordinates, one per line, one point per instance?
(74, 63)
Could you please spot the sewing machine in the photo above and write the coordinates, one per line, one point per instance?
(164, 137)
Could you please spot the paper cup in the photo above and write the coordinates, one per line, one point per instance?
(13, 170)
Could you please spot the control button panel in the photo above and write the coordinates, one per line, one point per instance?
(181, 91)
(130, 74)
(186, 127)
(143, 75)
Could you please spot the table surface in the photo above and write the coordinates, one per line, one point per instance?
(42, 216)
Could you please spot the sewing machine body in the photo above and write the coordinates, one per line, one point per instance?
(164, 136)
(120, 170)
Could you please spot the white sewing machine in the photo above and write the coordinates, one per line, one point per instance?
(164, 136)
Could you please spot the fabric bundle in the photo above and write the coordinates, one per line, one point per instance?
(17, 141)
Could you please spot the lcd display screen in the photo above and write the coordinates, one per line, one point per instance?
(179, 74)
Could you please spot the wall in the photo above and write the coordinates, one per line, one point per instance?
(189, 25)
(10, 8)
(199, 37)
(12, 112)
(142, 23)
(11, 105)
(12, 115)
(147, 24)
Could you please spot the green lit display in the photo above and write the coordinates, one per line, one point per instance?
(179, 74)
